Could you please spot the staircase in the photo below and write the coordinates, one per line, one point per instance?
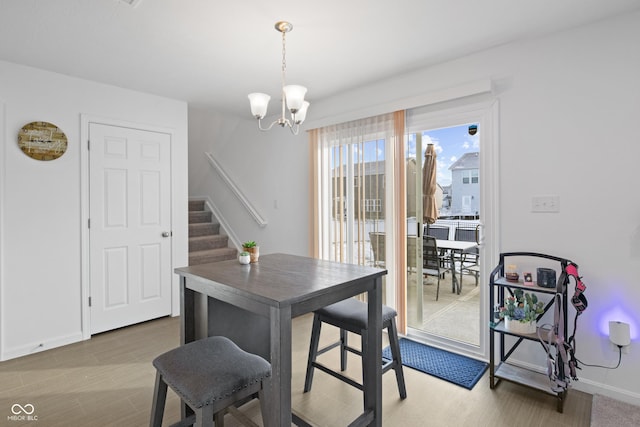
(206, 244)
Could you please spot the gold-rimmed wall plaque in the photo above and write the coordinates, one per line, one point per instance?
(42, 141)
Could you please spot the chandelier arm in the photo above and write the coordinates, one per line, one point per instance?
(294, 128)
(268, 128)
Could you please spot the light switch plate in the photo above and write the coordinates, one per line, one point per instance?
(545, 204)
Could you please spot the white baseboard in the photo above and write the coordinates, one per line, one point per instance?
(37, 347)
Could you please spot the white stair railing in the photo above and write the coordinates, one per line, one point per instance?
(236, 191)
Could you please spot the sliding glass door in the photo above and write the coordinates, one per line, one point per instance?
(445, 275)
(369, 205)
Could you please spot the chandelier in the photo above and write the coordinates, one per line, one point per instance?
(292, 95)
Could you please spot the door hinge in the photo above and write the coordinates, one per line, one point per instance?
(88, 144)
(89, 223)
(89, 301)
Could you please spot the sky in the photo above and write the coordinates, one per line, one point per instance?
(450, 144)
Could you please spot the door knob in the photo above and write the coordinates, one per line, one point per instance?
(166, 234)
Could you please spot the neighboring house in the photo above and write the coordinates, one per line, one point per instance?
(465, 185)
(370, 185)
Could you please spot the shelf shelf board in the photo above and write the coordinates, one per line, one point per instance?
(500, 327)
(524, 376)
(501, 281)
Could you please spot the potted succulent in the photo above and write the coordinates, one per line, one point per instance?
(244, 257)
(520, 312)
(253, 249)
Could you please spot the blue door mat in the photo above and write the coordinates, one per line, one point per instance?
(457, 369)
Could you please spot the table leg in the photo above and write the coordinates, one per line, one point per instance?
(187, 311)
(187, 328)
(452, 263)
(372, 375)
(280, 396)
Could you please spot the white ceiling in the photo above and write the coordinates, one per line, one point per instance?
(212, 53)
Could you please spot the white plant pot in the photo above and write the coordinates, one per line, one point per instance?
(519, 327)
(244, 259)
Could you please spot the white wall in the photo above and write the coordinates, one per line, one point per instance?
(41, 201)
(270, 168)
(569, 107)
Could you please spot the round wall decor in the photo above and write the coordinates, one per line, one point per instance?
(42, 141)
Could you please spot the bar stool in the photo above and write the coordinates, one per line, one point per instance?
(350, 315)
(209, 375)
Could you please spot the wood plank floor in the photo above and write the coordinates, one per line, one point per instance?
(108, 381)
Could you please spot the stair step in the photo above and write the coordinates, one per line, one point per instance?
(203, 243)
(196, 205)
(203, 229)
(196, 217)
(211, 255)
(206, 244)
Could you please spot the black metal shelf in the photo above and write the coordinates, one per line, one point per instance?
(500, 369)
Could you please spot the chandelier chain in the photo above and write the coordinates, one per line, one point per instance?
(284, 57)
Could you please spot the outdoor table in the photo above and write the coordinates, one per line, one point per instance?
(254, 304)
(454, 246)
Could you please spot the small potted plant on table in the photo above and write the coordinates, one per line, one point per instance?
(253, 249)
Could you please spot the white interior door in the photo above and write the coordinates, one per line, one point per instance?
(129, 226)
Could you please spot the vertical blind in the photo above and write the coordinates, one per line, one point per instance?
(351, 162)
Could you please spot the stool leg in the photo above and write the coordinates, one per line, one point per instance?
(159, 399)
(392, 331)
(313, 352)
(343, 349)
(204, 417)
(363, 360)
(264, 404)
(218, 418)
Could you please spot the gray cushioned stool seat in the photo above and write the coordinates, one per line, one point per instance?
(211, 373)
(353, 312)
(351, 315)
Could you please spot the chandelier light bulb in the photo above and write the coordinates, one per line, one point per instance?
(259, 103)
(301, 114)
(294, 94)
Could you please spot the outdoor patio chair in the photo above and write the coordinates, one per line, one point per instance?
(377, 246)
(440, 232)
(470, 259)
(431, 262)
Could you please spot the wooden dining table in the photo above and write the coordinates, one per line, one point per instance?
(254, 305)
